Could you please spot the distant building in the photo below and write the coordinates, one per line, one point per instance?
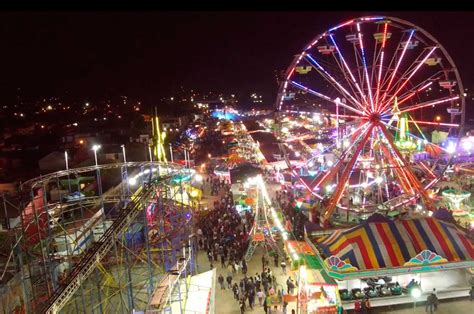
(141, 138)
(110, 154)
(52, 162)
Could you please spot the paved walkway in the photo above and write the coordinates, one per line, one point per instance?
(225, 302)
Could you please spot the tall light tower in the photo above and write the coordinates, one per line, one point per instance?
(95, 148)
(158, 139)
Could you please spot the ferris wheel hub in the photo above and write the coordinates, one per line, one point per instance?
(374, 117)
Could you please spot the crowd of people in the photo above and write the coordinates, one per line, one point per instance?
(222, 233)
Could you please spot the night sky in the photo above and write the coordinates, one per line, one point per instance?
(146, 55)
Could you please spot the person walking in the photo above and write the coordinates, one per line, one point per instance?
(364, 306)
(222, 261)
(471, 293)
(275, 259)
(251, 298)
(235, 289)
(430, 303)
(244, 267)
(260, 296)
(221, 281)
(229, 281)
(242, 306)
(435, 304)
(283, 267)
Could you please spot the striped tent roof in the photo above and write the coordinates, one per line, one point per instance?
(383, 243)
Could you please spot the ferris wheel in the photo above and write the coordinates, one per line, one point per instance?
(369, 115)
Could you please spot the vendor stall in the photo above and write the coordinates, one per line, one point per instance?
(317, 292)
(315, 296)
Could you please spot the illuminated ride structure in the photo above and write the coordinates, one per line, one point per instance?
(261, 233)
(104, 252)
(365, 91)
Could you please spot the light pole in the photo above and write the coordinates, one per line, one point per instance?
(67, 169)
(7, 223)
(185, 158)
(123, 152)
(149, 153)
(125, 189)
(95, 148)
(65, 159)
(171, 153)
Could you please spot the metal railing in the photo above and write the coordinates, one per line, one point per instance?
(97, 252)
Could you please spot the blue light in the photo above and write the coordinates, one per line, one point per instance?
(314, 61)
(224, 115)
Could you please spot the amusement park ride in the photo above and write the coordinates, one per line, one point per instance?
(380, 80)
(102, 253)
(261, 232)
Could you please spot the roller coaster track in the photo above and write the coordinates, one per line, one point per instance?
(97, 252)
(36, 182)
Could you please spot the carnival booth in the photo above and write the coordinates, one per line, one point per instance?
(317, 292)
(383, 257)
(314, 295)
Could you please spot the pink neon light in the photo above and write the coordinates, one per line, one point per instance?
(365, 68)
(341, 25)
(381, 63)
(396, 67)
(350, 73)
(291, 72)
(435, 123)
(337, 83)
(411, 75)
(414, 93)
(428, 104)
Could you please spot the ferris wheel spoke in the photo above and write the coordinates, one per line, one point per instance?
(336, 196)
(451, 125)
(379, 76)
(317, 94)
(408, 171)
(364, 62)
(404, 81)
(428, 103)
(333, 81)
(394, 72)
(355, 137)
(347, 138)
(412, 92)
(354, 82)
(352, 87)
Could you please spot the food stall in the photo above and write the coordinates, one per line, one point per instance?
(317, 292)
(314, 295)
